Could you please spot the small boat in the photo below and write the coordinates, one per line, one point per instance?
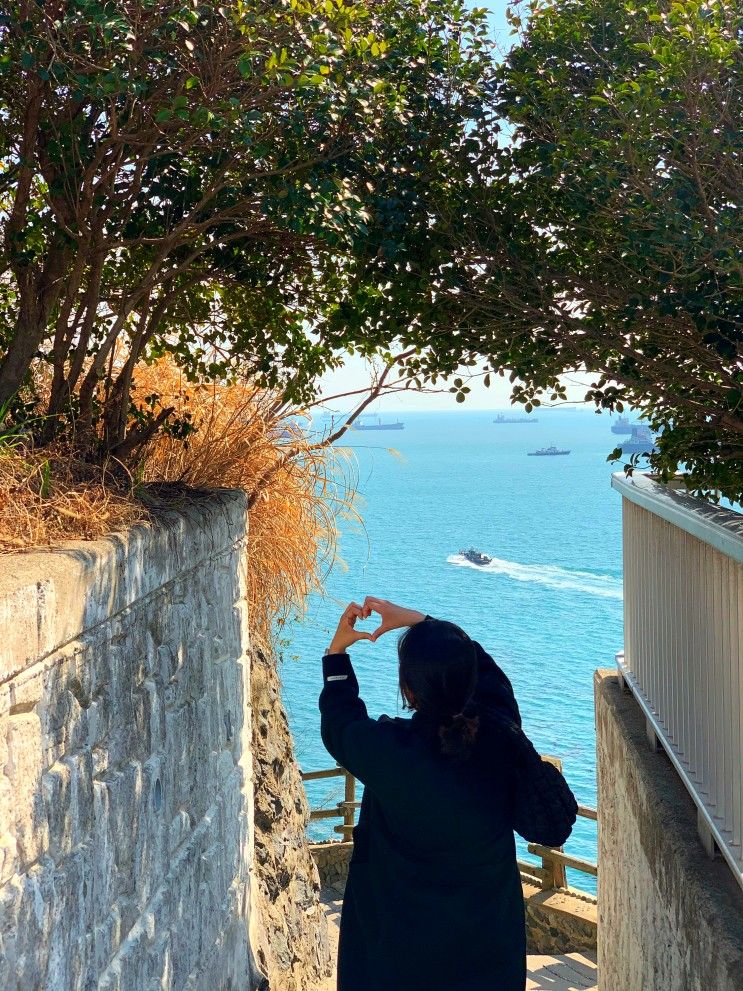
(622, 426)
(475, 557)
(369, 424)
(502, 418)
(640, 441)
(547, 452)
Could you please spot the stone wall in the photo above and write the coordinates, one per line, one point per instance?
(561, 920)
(332, 859)
(670, 919)
(291, 945)
(126, 831)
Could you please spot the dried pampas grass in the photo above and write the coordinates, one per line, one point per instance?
(244, 438)
(51, 494)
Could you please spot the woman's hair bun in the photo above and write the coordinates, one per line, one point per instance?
(458, 736)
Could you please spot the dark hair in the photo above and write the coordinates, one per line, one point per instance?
(438, 667)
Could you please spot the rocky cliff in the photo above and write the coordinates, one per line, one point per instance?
(292, 944)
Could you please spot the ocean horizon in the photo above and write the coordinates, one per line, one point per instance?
(548, 607)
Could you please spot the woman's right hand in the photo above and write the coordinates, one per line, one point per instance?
(393, 617)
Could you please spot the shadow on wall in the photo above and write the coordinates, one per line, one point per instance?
(126, 789)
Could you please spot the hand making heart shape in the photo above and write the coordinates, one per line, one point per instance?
(392, 617)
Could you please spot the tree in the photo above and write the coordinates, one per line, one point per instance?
(609, 234)
(243, 186)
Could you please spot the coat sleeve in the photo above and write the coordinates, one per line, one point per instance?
(494, 691)
(543, 808)
(364, 746)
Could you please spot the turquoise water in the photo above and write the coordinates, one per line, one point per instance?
(549, 608)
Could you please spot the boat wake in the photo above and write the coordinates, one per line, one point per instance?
(552, 575)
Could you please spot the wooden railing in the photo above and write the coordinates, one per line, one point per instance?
(345, 810)
(551, 874)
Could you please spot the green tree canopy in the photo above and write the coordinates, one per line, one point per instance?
(245, 186)
(609, 236)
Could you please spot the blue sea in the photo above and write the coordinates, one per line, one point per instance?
(549, 607)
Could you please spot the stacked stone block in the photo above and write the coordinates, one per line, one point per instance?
(332, 859)
(125, 767)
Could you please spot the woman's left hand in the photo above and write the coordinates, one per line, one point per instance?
(346, 634)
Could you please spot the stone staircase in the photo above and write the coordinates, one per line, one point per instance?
(570, 972)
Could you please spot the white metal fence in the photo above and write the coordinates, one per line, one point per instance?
(683, 633)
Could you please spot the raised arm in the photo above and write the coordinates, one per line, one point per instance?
(362, 745)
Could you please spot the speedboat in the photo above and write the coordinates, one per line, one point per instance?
(475, 557)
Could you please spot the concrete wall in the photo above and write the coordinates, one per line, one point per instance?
(125, 784)
(670, 919)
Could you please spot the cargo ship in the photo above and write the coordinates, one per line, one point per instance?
(502, 418)
(376, 423)
(622, 426)
(547, 452)
(640, 441)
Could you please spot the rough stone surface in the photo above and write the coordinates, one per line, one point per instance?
(559, 921)
(291, 944)
(126, 830)
(670, 919)
(332, 859)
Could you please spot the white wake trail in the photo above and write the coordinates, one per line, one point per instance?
(552, 575)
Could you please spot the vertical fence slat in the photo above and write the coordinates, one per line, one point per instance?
(683, 586)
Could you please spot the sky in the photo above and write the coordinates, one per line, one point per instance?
(357, 374)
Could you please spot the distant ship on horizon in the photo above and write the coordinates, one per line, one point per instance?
(547, 452)
(503, 418)
(366, 423)
(640, 441)
(623, 426)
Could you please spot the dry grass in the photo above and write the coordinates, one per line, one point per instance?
(50, 495)
(244, 439)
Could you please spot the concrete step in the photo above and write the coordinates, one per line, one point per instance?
(570, 972)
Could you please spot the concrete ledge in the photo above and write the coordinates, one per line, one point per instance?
(559, 921)
(670, 919)
(52, 596)
(332, 858)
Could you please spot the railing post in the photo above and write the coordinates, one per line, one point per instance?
(349, 813)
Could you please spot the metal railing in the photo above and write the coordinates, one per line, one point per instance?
(554, 861)
(683, 634)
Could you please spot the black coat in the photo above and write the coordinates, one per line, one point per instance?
(433, 900)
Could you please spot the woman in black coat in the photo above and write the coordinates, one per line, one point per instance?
(433, 900)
